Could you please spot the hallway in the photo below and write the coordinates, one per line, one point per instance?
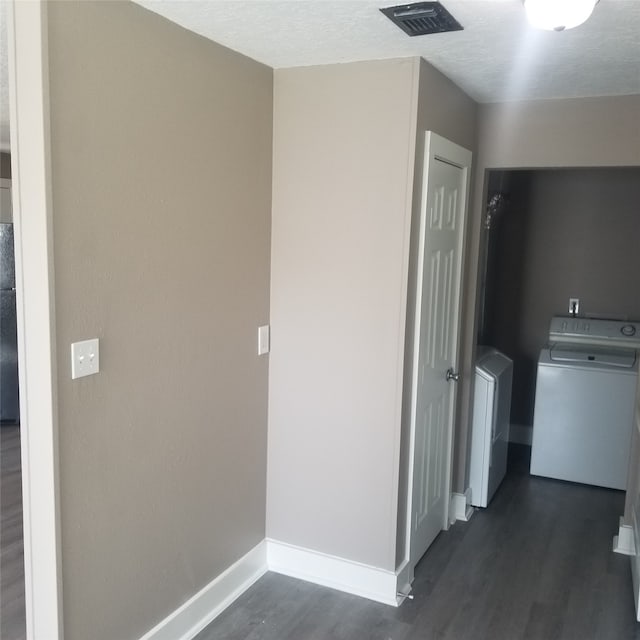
(536, 565)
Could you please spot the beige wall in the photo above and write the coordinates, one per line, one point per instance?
(344, 145)
(580, 132)
(162, 251)
(586, 132)
(161, 156)
(446, 110)
(346, 140)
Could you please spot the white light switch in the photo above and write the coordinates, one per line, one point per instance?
(85, 358)
(263, 339)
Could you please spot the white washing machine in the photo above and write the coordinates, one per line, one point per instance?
(585, 390)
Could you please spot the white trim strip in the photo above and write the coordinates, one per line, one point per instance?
(270, 555)
(195, 614)
(461, 508)
(331, 571)
(32, 216)
(624, 543)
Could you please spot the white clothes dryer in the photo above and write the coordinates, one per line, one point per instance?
(490, 427)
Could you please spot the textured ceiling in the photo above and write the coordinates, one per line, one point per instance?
(497, 57)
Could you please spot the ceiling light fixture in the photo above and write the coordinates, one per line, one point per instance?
(558, 15)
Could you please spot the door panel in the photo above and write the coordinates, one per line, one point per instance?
(436, 344)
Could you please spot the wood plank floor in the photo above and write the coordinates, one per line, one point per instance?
(12, 614)
(536, 565)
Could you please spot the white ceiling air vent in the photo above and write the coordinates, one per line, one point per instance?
(422, 18)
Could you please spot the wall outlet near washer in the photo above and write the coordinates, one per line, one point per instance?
(574, 306)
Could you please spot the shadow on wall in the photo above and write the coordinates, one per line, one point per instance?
(506, 257)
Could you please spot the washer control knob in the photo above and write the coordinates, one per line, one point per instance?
(628, 330)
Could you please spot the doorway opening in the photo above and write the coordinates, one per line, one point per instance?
(558, 234)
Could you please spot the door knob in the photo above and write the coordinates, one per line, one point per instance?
(451, 375)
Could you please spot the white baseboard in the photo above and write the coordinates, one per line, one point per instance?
(387, 587)
(521, 434)
(195, 614)
(331, 571)
(460, 506)
(624, 543)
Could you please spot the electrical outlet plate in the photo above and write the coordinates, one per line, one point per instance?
(574, 306)
(85, 358)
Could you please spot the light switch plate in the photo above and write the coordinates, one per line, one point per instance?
(85, 358)
(263, 339)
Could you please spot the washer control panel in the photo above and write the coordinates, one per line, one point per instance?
(619, 333)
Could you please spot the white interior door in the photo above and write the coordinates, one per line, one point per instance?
(437, 330)
(633, 499)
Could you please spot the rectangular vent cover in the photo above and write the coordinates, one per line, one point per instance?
(422, 18)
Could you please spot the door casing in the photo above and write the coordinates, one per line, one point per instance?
(32, 215)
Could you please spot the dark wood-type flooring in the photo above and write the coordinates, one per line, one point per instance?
(536, 565)
(12, 614)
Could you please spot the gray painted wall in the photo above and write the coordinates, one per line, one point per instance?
(565, 233)
(161, 156)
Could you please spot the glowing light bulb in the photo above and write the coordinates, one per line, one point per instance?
(558, 15)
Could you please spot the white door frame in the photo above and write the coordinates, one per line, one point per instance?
(436, 147)
(31, 190)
